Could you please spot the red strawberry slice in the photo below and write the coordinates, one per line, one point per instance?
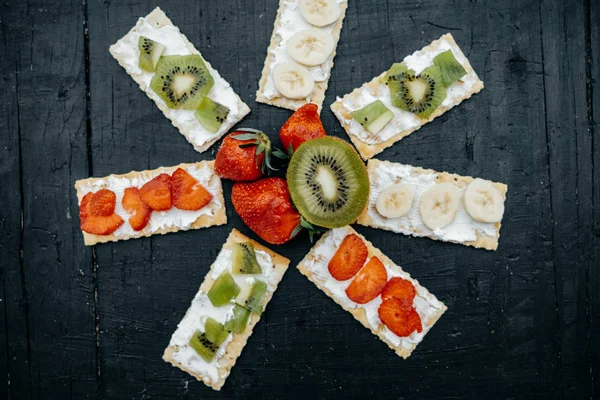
(132, 203)
(103, 203)
(349, 258)
(96, 224)
(399, 288)
(400, 316)
(369, 282)
(188, 193)
(157, 193)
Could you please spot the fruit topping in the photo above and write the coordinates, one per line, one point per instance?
(451, 70)
(328, 182)
(310, 46)
(244, 259)
(304, 125)
(369, 282)
(207, 343)
(320, 12)
(211, 114)
(483, 201)
(187, 192)
(150, 52)
(252, 295)
(103, 203)
(394, 201)
(439, 205)
(293, 80)
(133, 204)
(399, 288)
(93, 223)
(223, 289)
(373, 117)
(239, 321)
(157, 193)
(400, 317)
(349, 258)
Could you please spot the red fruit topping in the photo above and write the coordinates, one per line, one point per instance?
(400, 316)
(399, 288)
(132, 203)
(349, 258)
(157, 193)
(305, 124)
(188, 193)
(103, 203)
(96, 224)
(369, 282)
(244, 155)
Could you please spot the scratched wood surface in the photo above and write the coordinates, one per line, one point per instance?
(523, 322)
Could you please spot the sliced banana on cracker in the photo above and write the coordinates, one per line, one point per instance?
(439, 205)
(395, 200)
(293, 80)
(483, 201)
(320, 12)
(311, 46)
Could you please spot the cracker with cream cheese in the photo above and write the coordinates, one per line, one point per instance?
(211, 215)
(315, 267)
(369, 145)
(193, 131)
(233, 348)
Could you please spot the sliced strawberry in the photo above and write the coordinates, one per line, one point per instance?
(95, 224)
(157, 193)
(188, 193)
(400, 316)
(349, 258)
(369, 282)
(132, 203)
(399, 288)
(103, 203)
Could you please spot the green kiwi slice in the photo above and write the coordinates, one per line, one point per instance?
(244, 259)
(150, 52)
(211, 114)
(373, 117)
(451, 70)
(182, 81)
(328, 182)
(420, 94)
(239, 321)
(223, 289)
(207, 343)
(252, 296)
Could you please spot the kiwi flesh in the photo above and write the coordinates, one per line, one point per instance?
(150, 52)
(211, 114)
(238, 323)
(373, 117)
(182, 81)
(328, 182)
(244, 259)
(207, 343)
(419, 94)
(252, 295)
(451, 70)
(223, 289)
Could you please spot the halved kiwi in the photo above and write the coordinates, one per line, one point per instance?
(182, 81)
(150, 52)
(211, 114)
(328, 182)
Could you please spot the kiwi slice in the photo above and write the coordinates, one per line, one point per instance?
(182, 81)
(373, 117)
(150, 52)
(451, 70)
(223, 289)
(244, 259)
(207, 343)
(252, 295)
(239, 321)
(211, 114)
(420, 94)
(328, 182)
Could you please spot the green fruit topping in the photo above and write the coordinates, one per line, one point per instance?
(239, 321)
(244, 259)
(150, 52)
(214, 331)
(207, 343)
(223, 289)
(451, 70)
(373, 117)
(211, 114)
(252, 296)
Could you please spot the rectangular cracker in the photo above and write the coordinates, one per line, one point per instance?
(314, 267)
(376, 89)
(216, 208)
(318, 94)
(222, 92)
(234, 348)
(379, 170)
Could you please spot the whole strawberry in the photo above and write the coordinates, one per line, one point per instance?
(304, 125)
(244, 155)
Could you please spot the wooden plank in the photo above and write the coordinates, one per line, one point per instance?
(48, 47)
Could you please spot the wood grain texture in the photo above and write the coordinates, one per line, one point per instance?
(522, 322)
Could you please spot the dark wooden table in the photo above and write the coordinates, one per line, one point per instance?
(79, 322)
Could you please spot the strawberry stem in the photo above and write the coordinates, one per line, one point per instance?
(263, 145)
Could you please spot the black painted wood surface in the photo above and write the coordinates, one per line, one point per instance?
(523, 322)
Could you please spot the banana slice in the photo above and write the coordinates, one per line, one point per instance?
(310, 47)
(320, 12)
(439, 205)
(483, 201)
(395, 200)
(293, 80)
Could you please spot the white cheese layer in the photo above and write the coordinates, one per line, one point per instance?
(405, 120)
(462, 229)
(291, 22)
(174, 217)
(426, 304)
(126, 50)
(202, 308)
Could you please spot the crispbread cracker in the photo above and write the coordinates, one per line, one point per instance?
(482, 241)
(368, 150)
(235, 346)
(318, 94)
(359, 313)
(219, 216)
(158, 17)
